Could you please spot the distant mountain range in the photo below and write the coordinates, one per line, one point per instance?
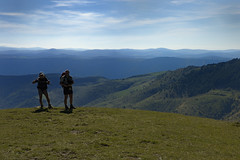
(211, 91)
(112, 64)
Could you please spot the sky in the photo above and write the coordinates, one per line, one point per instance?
(117, 24)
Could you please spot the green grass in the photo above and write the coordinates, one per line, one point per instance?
(101, 133)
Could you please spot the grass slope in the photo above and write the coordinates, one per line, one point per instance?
(100, 133)
(210, 91)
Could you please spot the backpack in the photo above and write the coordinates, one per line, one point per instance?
(62, 78)
(42, 83)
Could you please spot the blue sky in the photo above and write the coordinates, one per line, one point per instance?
(115, 24)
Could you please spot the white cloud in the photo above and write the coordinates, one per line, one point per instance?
(11, 14)
(179, 2)
(58, 22)
(11, 26)
(68, 3)
(68, 21)
(76, 21)
(82, 15)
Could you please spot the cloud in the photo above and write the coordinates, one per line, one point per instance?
(58, 22)
(11, 14)
(231, 9)
(82, 15)
(68, 20)
(8, 28)
(7, 25)
(69, 3)
(179, 2)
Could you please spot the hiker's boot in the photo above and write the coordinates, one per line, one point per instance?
(66, 107)
(50, 106)
(41, 107)
(72, 107)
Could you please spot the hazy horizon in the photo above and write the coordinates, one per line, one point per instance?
(84, 49)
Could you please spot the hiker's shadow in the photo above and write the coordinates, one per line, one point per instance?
(40, 110)
(67, 111)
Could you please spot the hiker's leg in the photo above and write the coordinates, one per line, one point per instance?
(71, 101)
(71, 98)
(40, 97)
(47, 97)
(65, 95)
(65, 99)
(40, 100)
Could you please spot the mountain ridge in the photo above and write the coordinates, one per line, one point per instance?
(137, 53)
(99, 66)
(210, 91)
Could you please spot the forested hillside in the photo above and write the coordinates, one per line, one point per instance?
(211, 91)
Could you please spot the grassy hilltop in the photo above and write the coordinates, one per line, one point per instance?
(100, 133)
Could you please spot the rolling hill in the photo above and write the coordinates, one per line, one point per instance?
(211, 91)
(112, 64)
(101, 133)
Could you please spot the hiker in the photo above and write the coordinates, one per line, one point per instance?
(42, 89)
(66, 82)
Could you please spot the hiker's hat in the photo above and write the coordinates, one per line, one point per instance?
(41, 74)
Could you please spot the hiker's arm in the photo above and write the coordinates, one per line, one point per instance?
(64, 85)
(71, 82)
(69, 85)
(34, 81)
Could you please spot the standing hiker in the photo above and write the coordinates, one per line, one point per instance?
(66, 82)
(42, 89)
